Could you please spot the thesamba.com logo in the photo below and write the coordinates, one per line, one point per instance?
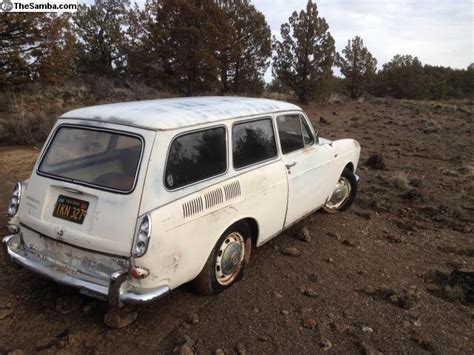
(6, 5)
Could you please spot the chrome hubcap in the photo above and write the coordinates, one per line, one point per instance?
(340, 194)
(229, 258)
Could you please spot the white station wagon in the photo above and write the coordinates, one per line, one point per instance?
(129, 201)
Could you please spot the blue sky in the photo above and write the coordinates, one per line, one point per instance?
(437, 32)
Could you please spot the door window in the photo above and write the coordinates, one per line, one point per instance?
(294, 133)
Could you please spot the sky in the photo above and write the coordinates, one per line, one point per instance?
(438, 32)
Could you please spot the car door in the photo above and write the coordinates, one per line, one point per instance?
(308, 166)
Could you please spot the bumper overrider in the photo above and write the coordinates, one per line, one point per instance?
(117, 290)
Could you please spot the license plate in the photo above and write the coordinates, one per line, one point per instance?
(70, 209)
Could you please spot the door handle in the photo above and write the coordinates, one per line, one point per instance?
(290, 165)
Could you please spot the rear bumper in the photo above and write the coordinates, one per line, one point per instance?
(117, 289)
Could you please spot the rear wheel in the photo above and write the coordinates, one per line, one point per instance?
(344, 193)
(227, 261)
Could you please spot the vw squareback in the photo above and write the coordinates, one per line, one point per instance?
(129, 201)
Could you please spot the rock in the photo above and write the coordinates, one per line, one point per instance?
(369, 350)
(284, 312)
(66, 305)
(330, 260)
(349, 243)
(291, 251)
(193, 318)
(414, 320)
(310, 293)
(323, 120)
(412, 194)
(334, 235)
(263, 338)
(5, 313)
(313, 277)
(376, 162)
(278, 294)
(325, 344)
(240, 348)
(186, 349)
(219, 352)
(303, 235)
(309, 323)
(120, 317)
(367, 330)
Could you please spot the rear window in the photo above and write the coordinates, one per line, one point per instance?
(196, 156)
(104, 159)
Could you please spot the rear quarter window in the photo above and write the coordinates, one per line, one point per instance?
(196, 156)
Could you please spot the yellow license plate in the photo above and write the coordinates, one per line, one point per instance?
(70, 209)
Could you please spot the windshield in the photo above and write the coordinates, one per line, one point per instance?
(94, 157)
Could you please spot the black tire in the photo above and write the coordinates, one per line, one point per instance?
(207, 283)
(352, 180)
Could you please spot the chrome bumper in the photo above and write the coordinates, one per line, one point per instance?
(117, 290)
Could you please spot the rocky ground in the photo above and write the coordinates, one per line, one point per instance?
(394, 274)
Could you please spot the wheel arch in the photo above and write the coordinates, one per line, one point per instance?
(253, 227)
(349, 166)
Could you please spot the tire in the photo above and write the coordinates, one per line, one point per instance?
(218, 273)
(347, 180)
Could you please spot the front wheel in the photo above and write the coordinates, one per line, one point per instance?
(227, 261)
(344, 194)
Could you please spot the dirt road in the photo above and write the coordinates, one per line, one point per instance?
(389, 275)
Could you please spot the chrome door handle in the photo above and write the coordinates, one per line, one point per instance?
(290, 165)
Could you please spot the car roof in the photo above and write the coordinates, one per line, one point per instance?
(164, 114)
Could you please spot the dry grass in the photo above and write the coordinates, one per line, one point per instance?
(26, 116)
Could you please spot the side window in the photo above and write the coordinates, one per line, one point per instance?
(307, 135)
(294, 133)
(289, 129)
(253, 142)
(196, 156)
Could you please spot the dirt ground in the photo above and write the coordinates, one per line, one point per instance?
(393, 274)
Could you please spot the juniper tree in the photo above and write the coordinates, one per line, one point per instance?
(305, 55)
(100, 31)
(247, 49)
(358, 66)
(176, 44)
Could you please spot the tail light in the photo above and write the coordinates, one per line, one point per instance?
(15, 200)
(143, 237)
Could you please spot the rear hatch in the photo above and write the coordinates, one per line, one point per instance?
(86, 187)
